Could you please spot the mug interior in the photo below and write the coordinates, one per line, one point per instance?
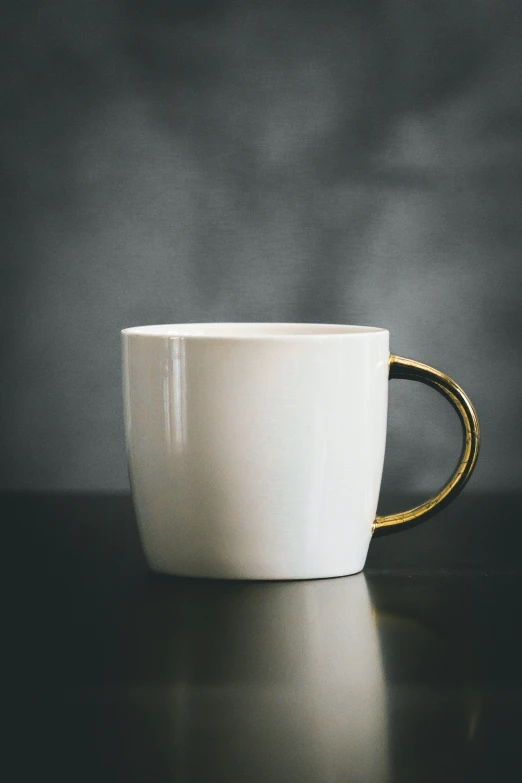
(250, 330)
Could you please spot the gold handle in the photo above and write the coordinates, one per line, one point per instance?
(415, 371)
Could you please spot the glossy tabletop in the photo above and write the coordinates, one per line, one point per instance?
(410, 671)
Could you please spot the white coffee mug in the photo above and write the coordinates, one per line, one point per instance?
(256, 450)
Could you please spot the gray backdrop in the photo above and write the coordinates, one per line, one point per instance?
(355, 162)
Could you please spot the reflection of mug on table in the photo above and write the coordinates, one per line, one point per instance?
(280, 682)
(256, 450)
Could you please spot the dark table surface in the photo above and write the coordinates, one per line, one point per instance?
(410, 671)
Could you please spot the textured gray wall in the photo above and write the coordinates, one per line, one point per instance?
(356, 162)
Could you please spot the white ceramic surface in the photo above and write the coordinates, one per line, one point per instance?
(255, 450)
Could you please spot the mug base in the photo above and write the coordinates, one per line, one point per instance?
(178, 574)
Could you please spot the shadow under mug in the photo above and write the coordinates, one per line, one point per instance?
(256, 451)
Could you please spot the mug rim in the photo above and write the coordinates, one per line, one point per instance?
(251, 330)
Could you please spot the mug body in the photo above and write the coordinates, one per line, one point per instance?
(255, 451)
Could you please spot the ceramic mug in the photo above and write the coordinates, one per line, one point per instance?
(255, 450)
